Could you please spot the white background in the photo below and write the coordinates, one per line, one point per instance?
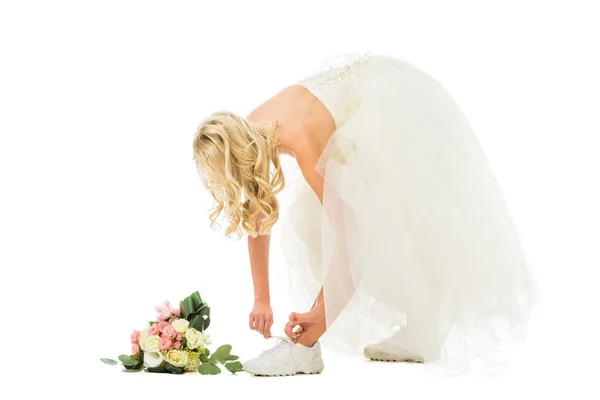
(103, 216)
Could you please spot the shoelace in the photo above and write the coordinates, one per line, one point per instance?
(282, 341)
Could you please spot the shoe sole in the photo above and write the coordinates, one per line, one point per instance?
(377, 355)
(295, 373)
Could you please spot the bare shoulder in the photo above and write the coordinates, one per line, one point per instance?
(292, 107)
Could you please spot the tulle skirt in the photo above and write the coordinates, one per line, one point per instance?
(413, 229)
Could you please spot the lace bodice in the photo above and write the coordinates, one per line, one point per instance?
(338, 87)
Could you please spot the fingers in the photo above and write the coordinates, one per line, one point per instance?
(288, 331)
(299, 337)
(261, 326)
(267, 330)
(295, 319)
(299, 319)
(261, 323)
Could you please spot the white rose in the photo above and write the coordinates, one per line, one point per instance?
(142, 339)
(153, 359)
(193, 363)
(178, 358)
(194, 338)
(152, 343)
(180, 325)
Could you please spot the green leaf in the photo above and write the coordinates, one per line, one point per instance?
(173, 369)
(224, 350)
(203, 358)
(183, 343)
(222, 354)
(209, 369)
(234, 367)
(128, 360)
(132, 370)
(190, 304)
(204, 313)
(151, 323)
(206, 351)
(137, 366)
(109, 361)
(159, 369)
(196, 299)
(214, 359)
(196, 322)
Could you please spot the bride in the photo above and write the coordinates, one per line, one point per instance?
(399, 233)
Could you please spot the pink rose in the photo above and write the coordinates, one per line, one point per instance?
(154, 330)
(179, 336)
(135, 337)
(165, 310)
(169, 332)
(177, 345)
(135, 349)
(162, 325)
(165, 343)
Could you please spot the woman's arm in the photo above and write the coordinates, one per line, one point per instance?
(338, 279)
(261, 316)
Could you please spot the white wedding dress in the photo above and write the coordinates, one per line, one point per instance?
(413, 225)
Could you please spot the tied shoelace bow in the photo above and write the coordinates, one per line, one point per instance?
(282, 341)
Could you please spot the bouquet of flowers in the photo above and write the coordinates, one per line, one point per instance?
(177, 342)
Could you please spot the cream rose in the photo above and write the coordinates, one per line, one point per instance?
(153, 359)
(194, 338)
(180, 325)
(152, 343)
(177, 357)
(142, 339)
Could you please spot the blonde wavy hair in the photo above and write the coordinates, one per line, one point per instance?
(234, 157)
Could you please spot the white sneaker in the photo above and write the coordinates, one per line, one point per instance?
(398, 347)
(286, 358)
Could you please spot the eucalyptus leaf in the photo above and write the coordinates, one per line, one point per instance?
(223, 350)
(109, 361)
(206, 351)
(229, 357)
(137, 367)
(128, 360)
(234, 367)
(209, 369)
(203, 357)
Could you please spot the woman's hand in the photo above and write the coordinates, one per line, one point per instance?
(261, 318)
(312, 326)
